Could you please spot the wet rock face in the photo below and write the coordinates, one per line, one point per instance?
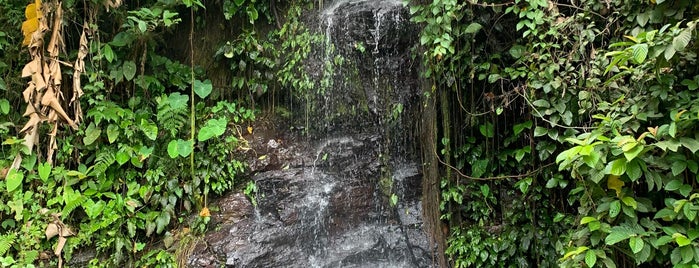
(329, 212)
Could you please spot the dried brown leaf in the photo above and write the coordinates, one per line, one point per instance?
(66, 231)
(51, 230)
(55, 69)
(28, 92)
(34, 120)
(56, 41)
(31, 68)
(49, 99)
(60, 245)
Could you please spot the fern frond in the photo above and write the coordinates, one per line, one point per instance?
(171, 118)
(73, 204)
(6, 242)
(104, 159)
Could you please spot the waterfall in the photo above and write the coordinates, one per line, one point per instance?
(348, 193)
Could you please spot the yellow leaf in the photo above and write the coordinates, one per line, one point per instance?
(30, 11)
(613, 182)
(31, 25)
(205, 212)
(250, 129)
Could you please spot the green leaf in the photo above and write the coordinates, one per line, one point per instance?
(487, 129)
(663, 240)
(473, 28)
(172, 149)
(44, 171)
(4, 106)
(618, 234)
(478, 167)
(681, 240)
(517, 51)
(162, 221)
(149, 129)
(541, 103)
(689, 143)
(636, 244)
(112, 133)
(540, 131)
(178, 101)
(91, 134)
(213, 128)
(672, 130)
(614, 208)
(394, 200)
(592, 159)
(678, 167)
(642, 19)
(184, 148)
(673, 185)
(252, 13)
(687, 254)
(669, 52)
(629, 201)
(122, 157)
(108, 53)
(202, 89)
(129, 70)
(587, 219)
(13, 180)
(616, 167)
(518, 128)
(633, 152)
(93, 209)
(590, 258)
(680, 42)
(633, 170)
(640, 52)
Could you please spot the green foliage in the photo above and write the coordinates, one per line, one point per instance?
(582, 117)
(116, 182)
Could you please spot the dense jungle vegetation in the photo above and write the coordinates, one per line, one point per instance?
(554, 133)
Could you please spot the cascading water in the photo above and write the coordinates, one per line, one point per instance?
(348, 193)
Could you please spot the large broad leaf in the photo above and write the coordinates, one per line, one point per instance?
(590, 258)
(13, 180)
(682, 40)
(108, 53)
(91, 134)
(636, 244)
(129, 70)
(4, 106)
(172, 149)
(212, 128)
(618, 234)
(150, 129)
(93, 209)
(122, 157)
(689, 143)
(178, 101)
(614, 208)
(44, 171)
(474, 27)
(179, 147)
(616, 167)
(162, 221)
(202, 89)
(640, 52)
(112, 133)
